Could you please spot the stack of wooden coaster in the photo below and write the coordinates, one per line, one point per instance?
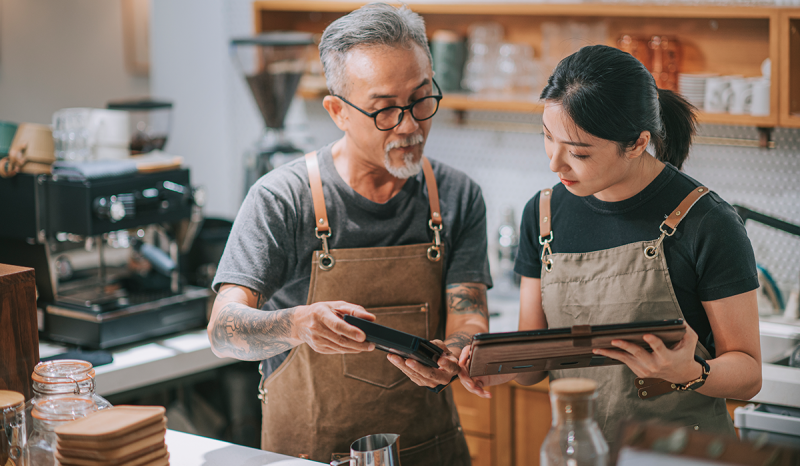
(119, 436)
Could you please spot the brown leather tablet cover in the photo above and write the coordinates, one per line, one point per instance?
(520, 353)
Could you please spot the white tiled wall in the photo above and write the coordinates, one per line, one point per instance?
(510, 165)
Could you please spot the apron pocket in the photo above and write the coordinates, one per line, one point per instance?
(373, 367)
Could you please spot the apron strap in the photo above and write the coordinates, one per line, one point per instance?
(433, 191)
(680, 213)
(544, 213)
(320, 213)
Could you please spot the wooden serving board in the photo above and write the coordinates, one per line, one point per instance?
(111, 423)
(147, 444)
(146, 431)
(155, 457)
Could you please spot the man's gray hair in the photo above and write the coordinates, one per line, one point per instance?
(371, 25)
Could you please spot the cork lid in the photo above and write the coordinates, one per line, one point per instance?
(9, 399)
(573, 387)
(111, 422)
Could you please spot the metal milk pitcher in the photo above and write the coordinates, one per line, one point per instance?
(373, 450)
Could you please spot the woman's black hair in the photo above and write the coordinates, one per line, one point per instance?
(611, 95)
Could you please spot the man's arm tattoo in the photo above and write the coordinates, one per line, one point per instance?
(466, 298)
(458, 340)
(260, 299)
(250, 334)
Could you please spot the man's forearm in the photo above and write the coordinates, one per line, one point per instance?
(250, 334)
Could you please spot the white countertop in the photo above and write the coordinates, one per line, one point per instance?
(144, 364)
(192, 450)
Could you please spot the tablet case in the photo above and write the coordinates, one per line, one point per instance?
(562, 348)
(397, 342)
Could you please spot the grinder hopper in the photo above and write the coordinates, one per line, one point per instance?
(272, 64)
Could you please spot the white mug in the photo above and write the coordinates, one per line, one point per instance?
(741, 96)
(759, 105)
(718, 94)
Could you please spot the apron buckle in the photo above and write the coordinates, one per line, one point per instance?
(434, 252)
(546, 251)
(326, 261)
(651, 252)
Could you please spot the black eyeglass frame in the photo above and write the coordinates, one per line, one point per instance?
(409, 107)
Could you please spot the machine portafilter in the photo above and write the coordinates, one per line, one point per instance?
(272, 64)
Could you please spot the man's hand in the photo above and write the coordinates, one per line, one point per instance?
(238, 328)
(425, 376)
(322, 327)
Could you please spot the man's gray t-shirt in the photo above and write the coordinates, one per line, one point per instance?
(272, 241)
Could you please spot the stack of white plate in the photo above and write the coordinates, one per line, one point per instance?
(693, 87)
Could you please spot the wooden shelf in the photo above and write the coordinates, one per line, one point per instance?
(728, 40)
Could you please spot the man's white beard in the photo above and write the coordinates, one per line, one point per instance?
(409, 168)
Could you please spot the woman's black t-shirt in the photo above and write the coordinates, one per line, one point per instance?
(709, 257)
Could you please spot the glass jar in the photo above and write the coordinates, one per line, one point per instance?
(49, 414)
(13, 437)
(65, 377)
(574, 438)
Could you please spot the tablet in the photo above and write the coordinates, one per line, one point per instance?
(397, 342)
(562, 348)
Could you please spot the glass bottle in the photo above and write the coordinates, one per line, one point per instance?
(574, 438)
(13, 438)
(49, 414)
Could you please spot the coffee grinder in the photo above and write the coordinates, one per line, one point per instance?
(272, 64)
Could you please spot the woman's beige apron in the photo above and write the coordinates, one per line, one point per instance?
(316, 405)
(629, 283)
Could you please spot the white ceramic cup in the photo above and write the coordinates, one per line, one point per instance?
(718, 94)
(759, 105)
(741, 96)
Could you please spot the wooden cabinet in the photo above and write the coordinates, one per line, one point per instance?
(719, 39)
(507, 429)
(790, 68)
(487, 424)
(19, 331)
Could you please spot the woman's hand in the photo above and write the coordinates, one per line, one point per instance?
(674, 365)
(475, 385)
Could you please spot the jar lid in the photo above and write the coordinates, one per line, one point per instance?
(573, 387)
(63, 408)
(9, 399)
(62, 371)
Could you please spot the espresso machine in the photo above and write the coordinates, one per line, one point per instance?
(106, 253)
(272, 64)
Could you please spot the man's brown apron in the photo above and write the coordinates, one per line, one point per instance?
(628, 283)
(316, 404)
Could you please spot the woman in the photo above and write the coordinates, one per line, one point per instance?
(604, 256)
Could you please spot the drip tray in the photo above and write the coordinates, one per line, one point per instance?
(147, 315)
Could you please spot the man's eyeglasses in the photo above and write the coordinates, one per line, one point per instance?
(387, 119)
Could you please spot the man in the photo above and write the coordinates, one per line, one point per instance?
(366, 226)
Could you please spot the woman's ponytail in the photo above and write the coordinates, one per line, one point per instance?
(679, 126)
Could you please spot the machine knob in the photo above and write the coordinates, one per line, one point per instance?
(116, 211)
(111, 207)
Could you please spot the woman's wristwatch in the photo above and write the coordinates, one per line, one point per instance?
(698, 382)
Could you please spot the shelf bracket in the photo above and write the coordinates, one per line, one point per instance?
(765, 137)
